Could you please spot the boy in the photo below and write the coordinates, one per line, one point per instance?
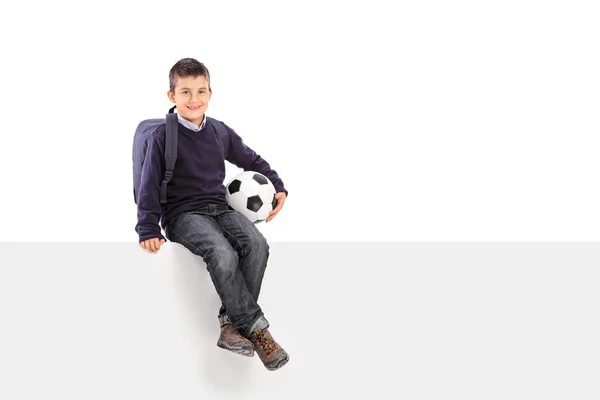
(198, 216)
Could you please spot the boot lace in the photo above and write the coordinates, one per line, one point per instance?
(264, 341)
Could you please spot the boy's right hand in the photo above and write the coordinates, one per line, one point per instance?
(152, 245)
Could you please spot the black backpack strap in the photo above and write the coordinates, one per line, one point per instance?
(171, 139)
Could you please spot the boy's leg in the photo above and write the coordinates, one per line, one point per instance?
(200, 233)
(253, 251)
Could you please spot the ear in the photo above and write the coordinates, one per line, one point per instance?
(171, 96)
(209, 93)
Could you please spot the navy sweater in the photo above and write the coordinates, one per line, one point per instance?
(198, 177)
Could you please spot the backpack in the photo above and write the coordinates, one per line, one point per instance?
(140, 145)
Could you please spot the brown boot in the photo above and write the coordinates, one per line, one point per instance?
(230, 339)
(270, 353)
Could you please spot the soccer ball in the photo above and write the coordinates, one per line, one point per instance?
(252, 194)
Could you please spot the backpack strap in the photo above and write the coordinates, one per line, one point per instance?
(171, 139)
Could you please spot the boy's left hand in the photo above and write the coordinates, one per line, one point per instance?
(280, 197)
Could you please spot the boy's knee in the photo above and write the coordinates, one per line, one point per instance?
(224, 258)
(258, 243)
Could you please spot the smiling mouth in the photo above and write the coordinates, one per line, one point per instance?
(194, 107)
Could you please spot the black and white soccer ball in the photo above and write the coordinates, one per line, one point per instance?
(252, 194)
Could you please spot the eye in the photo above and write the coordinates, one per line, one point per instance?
(185, 92)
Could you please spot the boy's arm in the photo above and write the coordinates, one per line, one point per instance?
(148, 205)
(247, 159)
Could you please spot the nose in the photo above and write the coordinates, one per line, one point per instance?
(195, 97)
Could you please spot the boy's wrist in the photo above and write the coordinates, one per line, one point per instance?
(148, 236)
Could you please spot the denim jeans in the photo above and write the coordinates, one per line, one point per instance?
(235, 253)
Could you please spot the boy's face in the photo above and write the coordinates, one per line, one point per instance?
(191, 97)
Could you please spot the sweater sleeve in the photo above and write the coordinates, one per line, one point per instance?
(244, 157)
(148, 205)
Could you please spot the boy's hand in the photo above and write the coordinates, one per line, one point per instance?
(152, 245)
(280, 197)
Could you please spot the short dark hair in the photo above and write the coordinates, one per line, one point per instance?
(187, 67)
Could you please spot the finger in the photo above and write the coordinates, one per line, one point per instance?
(277, 207)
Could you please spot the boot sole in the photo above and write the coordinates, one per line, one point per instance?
(237, 350)
(273, 366)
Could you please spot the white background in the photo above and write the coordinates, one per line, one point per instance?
(428, 120)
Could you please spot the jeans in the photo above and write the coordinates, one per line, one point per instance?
(235, 253)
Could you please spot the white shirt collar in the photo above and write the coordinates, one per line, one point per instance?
(189, 124)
